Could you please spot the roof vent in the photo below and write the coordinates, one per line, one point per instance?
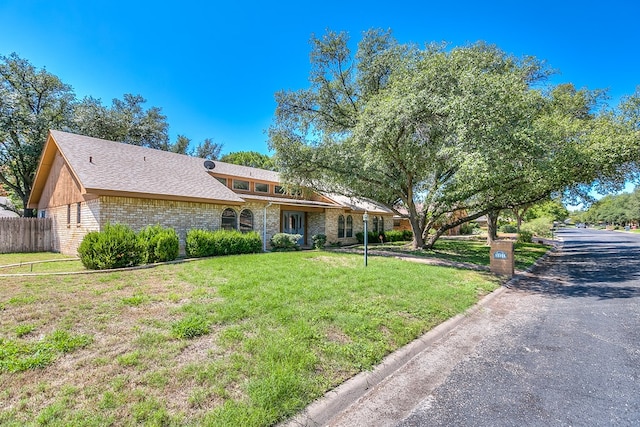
(209, 165)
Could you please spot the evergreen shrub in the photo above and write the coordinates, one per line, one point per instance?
(202, 243)
(283, 242)
(319, 241)
(159, 244)
(116, 246)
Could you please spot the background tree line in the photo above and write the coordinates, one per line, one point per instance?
(32, 101)
(445, 135)
(621, 209)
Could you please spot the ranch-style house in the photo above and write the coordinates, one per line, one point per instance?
(83, 183)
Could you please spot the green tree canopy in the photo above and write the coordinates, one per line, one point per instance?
(250, 158)
(437, 132)
(32, 101)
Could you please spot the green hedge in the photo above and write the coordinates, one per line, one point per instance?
(202, 243)
(160, 244)
(388, 236)
(116, 246)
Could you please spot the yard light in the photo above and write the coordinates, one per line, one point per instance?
(365, 218)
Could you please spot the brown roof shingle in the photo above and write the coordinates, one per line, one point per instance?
(102, 165)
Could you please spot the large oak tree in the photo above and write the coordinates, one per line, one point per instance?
(440, 136)
(32, 101)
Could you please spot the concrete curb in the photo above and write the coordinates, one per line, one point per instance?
(337, 400)
(323, 410)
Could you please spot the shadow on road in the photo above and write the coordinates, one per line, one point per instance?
(602, 271)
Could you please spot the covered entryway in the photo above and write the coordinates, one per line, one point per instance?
(293, 223)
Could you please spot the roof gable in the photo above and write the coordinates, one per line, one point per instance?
(106, 167)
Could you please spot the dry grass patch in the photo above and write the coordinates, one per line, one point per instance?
(268, 338)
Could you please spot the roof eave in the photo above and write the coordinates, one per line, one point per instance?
(170, 197)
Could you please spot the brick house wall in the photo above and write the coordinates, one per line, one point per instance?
(315, 225)
(66, 237)
(332, 217)
(182, 216)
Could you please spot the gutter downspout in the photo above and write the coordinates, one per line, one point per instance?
(264, 228)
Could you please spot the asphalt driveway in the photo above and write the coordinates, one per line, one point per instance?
(559, 347)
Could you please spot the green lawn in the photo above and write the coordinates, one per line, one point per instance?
(241, 340)
(470, 251)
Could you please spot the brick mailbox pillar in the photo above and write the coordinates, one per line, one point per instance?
(501, 254)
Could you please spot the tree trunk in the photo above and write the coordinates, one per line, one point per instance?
(492, 225)
(520, 213)
(434, 237)
(416, 228)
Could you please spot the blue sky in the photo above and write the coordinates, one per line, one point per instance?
(214, 67)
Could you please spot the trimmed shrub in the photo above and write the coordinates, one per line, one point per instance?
(398, 236)
(202, 243)
(372, 237)
(198, 243)
(160, 244)
(319, 240)
(283, 242)
(540, 227)
(508, 228)
(469, 228)
(525, 236)
(116, 246)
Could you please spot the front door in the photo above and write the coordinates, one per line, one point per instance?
(293, 223)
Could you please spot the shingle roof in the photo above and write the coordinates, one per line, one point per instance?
(358, 204)
(107, 167)
(102, 165)
(5, 213)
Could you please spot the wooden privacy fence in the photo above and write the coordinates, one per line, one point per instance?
(25, 235)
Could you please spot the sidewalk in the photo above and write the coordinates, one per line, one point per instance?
(385, 395)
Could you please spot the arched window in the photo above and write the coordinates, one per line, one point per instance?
(246, 220)
(375, 224)
(340, 226)
(229, 219)
(349, 226)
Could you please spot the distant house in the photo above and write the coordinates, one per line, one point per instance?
(6, 213)
(83, 183)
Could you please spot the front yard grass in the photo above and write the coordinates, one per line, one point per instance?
(473, 251)
(38, 262)
(241, 340)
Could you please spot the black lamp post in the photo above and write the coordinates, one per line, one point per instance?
(365, 219)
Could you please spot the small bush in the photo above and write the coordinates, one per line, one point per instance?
(283, 242)
(372, 237)
(160, 244)
(508, 228)
(115, 246)
(540, 227)
(201, 243)
(525, 236)
(469, 228)
(319, 240)
(398, 236)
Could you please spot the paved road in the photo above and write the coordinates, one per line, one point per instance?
(560, 347)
